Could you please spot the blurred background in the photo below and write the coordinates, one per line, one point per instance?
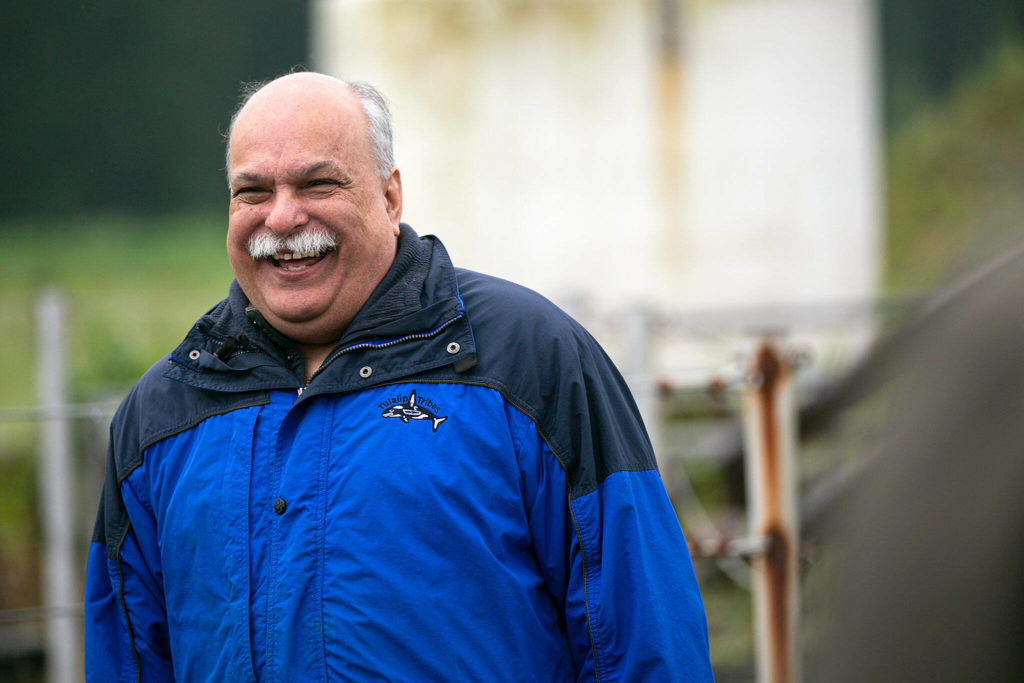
(687, 177)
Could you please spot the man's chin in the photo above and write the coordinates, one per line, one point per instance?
(305, 326)
(293, 319)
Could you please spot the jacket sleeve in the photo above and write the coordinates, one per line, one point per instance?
(617, 565)
(606, 534)
(125, 619)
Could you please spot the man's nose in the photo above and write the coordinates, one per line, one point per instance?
(286, 213)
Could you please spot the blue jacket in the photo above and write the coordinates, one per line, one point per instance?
(463, 492)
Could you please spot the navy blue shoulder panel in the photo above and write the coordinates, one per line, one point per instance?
(155, 408)
(553, 370)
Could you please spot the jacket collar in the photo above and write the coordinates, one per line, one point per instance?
(232, 348)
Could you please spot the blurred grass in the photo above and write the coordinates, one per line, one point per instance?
(730, 628)
(955, 177)
(133, 287)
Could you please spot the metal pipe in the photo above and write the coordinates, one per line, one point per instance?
(74, 411)
(60, 582)
(769, 425)
(21, 615)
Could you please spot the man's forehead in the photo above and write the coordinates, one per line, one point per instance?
(303, 98)
(311, 119)
(304, 82)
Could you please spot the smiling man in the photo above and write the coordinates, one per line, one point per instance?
(265, 517)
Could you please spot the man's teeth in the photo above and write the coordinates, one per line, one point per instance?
(293, 255)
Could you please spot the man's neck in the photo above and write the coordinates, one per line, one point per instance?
(314, 356)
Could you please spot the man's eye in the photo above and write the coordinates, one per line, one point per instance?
(321, 183)
(248, 193)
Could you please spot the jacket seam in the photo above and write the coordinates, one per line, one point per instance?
(586, 591)
(143, 500)
(190, 423)
(226, 387)
(124, 609)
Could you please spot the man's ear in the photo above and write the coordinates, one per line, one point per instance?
(393, 197)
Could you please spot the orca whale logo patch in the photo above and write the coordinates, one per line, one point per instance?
(408, 408)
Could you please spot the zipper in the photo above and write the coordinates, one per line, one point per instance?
(383, 345)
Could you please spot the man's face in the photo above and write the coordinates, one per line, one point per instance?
(300, 163)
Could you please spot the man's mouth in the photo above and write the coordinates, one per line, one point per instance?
(293, 253)
(296, 261)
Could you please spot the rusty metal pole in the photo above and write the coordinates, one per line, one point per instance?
(770, 441)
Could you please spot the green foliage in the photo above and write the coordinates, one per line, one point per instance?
(133, 288)
(955, 176)
(929, 47)
(19, 534)
(730, 627)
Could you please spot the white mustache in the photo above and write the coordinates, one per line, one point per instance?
(312, 241)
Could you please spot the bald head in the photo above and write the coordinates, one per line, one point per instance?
(310, 87)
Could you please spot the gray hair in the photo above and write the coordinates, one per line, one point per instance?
(374, 107)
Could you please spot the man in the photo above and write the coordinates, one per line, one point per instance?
(366, 464)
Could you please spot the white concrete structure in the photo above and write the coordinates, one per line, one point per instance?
(561, 144)
(783, 184)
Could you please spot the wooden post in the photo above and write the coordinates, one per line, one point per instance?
(60, 579)
(770, 439)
